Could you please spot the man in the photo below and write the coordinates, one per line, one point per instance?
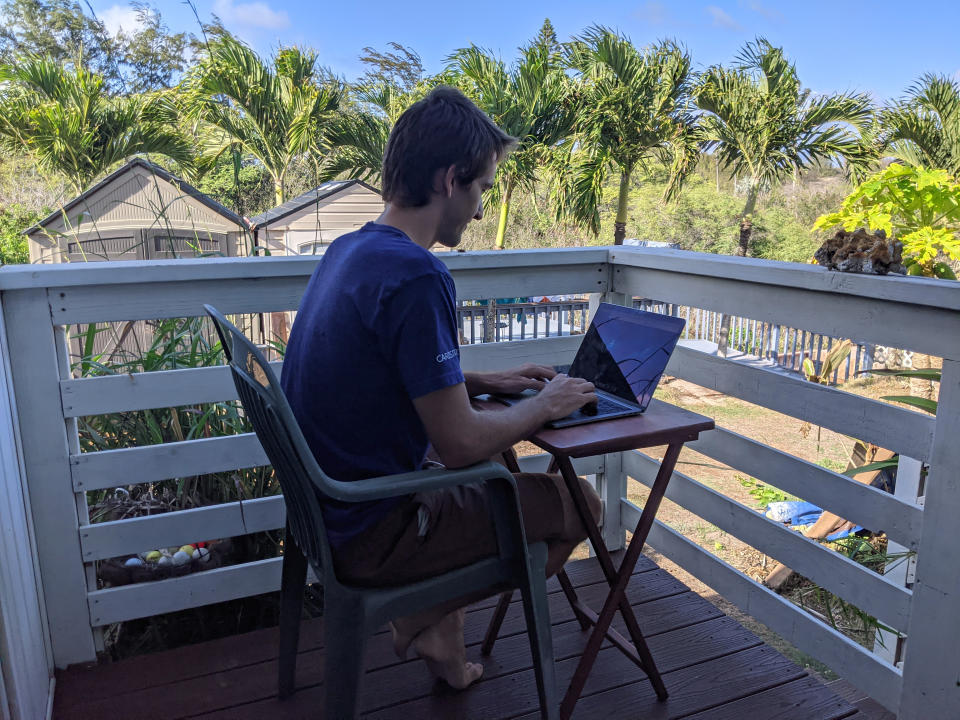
(373, 375)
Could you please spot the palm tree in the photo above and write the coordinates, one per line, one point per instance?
(359, 138)
(924, 129)
(276, 113)
(764, 127)
(632, 109)
(530, 101)
(68, 122)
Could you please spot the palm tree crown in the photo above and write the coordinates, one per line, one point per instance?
(924, 129)
(276, 113)
(632, 109)
(764, 126)
(71, 125)
(530, 101)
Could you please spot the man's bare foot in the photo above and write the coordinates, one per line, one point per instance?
(441, 647)
(458, 677)
(401, 640)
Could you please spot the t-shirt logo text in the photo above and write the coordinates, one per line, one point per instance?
(443, 357)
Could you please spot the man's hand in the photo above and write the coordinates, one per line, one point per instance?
(563, 395)
(529, 376)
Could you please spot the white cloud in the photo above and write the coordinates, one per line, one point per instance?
(118, 17)
(654, 13)
(251, 14)
(769, 13)
(722, 19)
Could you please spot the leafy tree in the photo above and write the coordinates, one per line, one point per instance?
(274, 112)
(918, 206)
(530, 101)
(243, 185)
(765, 127)
(14, 219)
(59, 30)
(402, 68)
(632, 110)
(68, 122)
(924, 129)
(151, 56)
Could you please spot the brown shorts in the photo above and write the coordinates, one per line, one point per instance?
(441, 530)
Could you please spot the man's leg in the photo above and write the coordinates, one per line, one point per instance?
(458, 531)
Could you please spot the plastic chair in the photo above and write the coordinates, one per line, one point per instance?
(353, 613)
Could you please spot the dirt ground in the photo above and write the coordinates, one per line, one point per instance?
(788, 434)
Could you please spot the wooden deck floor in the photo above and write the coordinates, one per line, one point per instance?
(712, 667)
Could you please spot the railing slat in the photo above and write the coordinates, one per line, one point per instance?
(141, 391)
(867, 506)
(129, 602)
(130, 466)
(857, 664)
(176, 388)
(865, 589)
(890, 427)
(140, 534)
(133, 535)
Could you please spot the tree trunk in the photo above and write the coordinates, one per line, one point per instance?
(620, 226)
(724, 338)
(278, 190)
(491, 317)
(746, 220)
(504, 212)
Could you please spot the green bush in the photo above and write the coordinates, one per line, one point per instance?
(14, 219)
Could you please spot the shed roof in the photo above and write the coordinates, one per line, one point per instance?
(184, 187)
(321, 192)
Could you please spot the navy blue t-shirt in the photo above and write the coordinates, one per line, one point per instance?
(376, 328)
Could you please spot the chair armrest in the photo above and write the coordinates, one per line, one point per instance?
(389, 486)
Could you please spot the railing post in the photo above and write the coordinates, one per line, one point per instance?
(889, 645)
(25, 682)
(43, 431)
(612, 482)
(931, 667)
(612, 486)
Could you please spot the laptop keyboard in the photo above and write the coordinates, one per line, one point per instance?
(605, 405)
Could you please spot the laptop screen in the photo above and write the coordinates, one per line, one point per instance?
(626, 350)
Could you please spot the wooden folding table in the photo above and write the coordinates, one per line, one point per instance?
(661, 424)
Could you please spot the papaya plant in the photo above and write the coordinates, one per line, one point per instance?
(918, 206)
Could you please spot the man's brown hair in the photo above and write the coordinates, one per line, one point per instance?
(443, 129)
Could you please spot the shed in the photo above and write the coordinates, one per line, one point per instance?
(309, 222)
(139, 212)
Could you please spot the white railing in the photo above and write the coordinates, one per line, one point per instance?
(915, 313)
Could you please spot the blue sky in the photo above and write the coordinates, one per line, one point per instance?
(879, 47)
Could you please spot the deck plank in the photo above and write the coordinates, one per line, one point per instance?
(255, 681)
(803, 699)
(169, 666)
(713, 667)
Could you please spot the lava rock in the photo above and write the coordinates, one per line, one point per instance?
(862, 252)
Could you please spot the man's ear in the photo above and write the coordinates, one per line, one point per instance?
(449, 180)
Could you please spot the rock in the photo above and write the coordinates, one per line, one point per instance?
(862, 252)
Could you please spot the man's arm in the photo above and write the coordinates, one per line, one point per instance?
(462, 435)
(529, 376)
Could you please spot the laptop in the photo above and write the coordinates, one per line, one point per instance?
(623, 354)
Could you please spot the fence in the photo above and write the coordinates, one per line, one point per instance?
(917, 313)
(785, 346)
(498, 322)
